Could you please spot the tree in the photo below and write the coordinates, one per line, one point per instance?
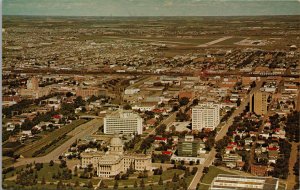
(90, 184)
(63, 164)
(160, 182)
(220, 144)
(43, 181)
(116, 185)
(142, 183)
(27, 125)
(205, 170)
(161, 105)
(117, 177)
(175, 178)
(76, 171)
(187, 172)
(38, 166)
(253, 84)
(209, 143)
(184, 101)
(182, 162)
(83, 109)
(79, 102)
(76, 183)
(184, 184)
(127, 107)
(194, 170)
(161, 129)
(181, 116)
(69, 94)
(175, 108)
(195, 102)
(238, 102)
(60, 185)
(135, 184)
(101, 185)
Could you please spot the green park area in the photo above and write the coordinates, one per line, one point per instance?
(166, 175)
(46, 176)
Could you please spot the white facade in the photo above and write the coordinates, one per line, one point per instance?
(132, 91)
(115, 160)
(144, 107)
(188, 159)
(123, 122)
(205, 116)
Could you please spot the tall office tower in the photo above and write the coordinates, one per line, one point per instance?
(205, 116)
(258, 103)
(123, 122)
(33, 83)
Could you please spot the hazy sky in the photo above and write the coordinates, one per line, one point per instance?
(150, 7)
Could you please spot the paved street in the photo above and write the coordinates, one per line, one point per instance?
(220, 135)
(79, 132)
(293, 158)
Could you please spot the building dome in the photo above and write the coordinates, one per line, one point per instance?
(116, 141)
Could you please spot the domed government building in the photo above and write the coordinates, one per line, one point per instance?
(115, 160)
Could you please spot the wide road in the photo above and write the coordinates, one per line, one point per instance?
(215, 41)
(78, 133)
(166, 121)
(291, 180)
(211, 155)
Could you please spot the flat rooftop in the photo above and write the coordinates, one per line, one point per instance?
(226, 182)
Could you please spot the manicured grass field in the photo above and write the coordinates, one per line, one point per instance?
(28, 150)
(47, 173)
(159, 187)
(167, 174)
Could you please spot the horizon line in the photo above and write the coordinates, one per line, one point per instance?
(270, 15)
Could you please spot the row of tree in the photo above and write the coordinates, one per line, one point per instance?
(292, 126)
(281, 168)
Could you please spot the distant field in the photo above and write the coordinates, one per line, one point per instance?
(230, 41)
(168, 40)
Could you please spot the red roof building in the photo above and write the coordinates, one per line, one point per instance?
(160, 139)
(166, 152)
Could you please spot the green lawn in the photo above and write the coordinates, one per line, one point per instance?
(212, 173)
(7, 161)
(47, 173)
(28, 150)
(161, 187)
(167, 174)
(37, 187)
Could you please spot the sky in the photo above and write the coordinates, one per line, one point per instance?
(151, 7)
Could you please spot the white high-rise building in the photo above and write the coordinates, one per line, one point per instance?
(123, 122)
(205, 116)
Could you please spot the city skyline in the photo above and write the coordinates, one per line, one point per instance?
(151, 8)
